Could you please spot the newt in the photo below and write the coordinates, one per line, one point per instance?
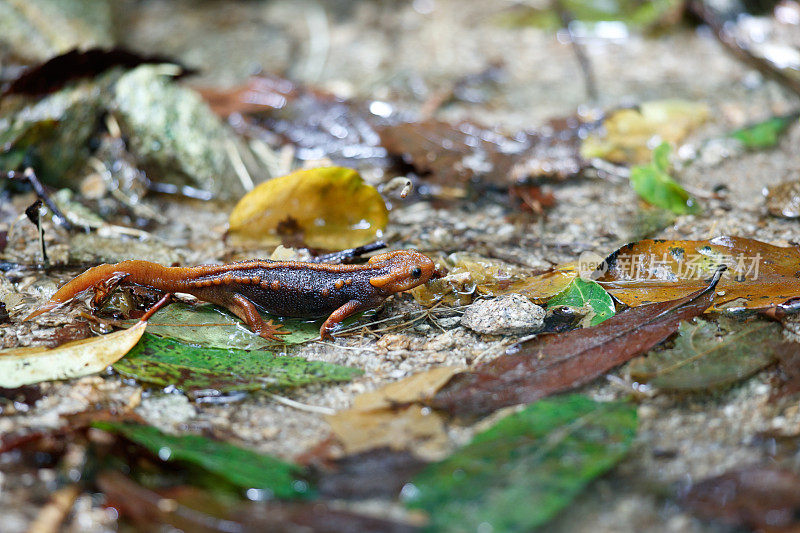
(285, 288)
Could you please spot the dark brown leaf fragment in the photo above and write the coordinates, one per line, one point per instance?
(558, 362)
(192, 510)
(377, 473)
(766, 499)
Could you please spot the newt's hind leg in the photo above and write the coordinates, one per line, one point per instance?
(246, 310)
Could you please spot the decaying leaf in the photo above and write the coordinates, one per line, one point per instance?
(559, 362)
(243, 468)
(583, 293)
(759, 275)
(416, 388)
(207, 325)
(384, 418)
(629, 133)
(708, 354)
(521, 472)
(329, 207)
(413, 428)
(654, 184)
(203, 370)
(538, 287)
(761, 498)
(23, 366)
(783, 200)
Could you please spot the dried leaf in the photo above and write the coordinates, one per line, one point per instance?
(413, 428)
(538, 287)
(521, 472)
(708, 354)
(415, 388)
(559, 362)
(629, 133)
(23, 366)
(759, 275)
(330, 208)
(203, 371)
(584, 293)
(761, 498)
(654, 184)
(243, 468)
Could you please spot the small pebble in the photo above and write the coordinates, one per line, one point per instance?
(512, 314)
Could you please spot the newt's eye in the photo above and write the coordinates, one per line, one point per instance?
(416, 272)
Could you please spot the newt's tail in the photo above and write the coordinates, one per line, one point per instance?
(138, 272)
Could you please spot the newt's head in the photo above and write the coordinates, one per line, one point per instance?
(405, 269)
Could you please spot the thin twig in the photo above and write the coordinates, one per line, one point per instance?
(580, 53)
(301, 406)
(30, 176)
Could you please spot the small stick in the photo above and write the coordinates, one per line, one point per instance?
(41, 192)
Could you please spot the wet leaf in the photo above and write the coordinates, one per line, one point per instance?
(708, 354)
(759, 274)
(242, 467)
(191, 509)
(23, 366)
(586, 293)
(207, 325)
(199, 370)
(329, 207)
(521, 472)
(654, 184)
(764, 134)
(629, 133)
(761, 498)
(558, 362)
(538, 287)
(783, 200)
(453, 155)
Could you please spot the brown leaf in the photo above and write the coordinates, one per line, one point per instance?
(455, 154)
(788, 374)
(783, 200)
(766, 499)
(377, 473)
(416, 388)
(558, 362)
(191, 509)
(759, 275)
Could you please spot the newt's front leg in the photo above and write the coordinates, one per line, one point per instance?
(246, 310)
(335, 320)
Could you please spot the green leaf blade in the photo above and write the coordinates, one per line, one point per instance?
(244, 468)
(765, 134)
(583, 293)
(164, 362)
(654, 184)
(521, 472)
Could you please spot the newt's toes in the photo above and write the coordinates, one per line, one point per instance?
(271, 331)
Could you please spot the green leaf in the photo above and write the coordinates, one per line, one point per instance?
(654, 184)
(526, 468)
(191, 369)
(207, 325)
(243, 468)
(583, 293)
(708, 354)
(764, 134)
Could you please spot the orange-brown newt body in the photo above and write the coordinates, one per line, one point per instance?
(285, 288)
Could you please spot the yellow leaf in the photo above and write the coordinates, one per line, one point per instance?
(629, 133)
(23, 366)
(330, 208)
